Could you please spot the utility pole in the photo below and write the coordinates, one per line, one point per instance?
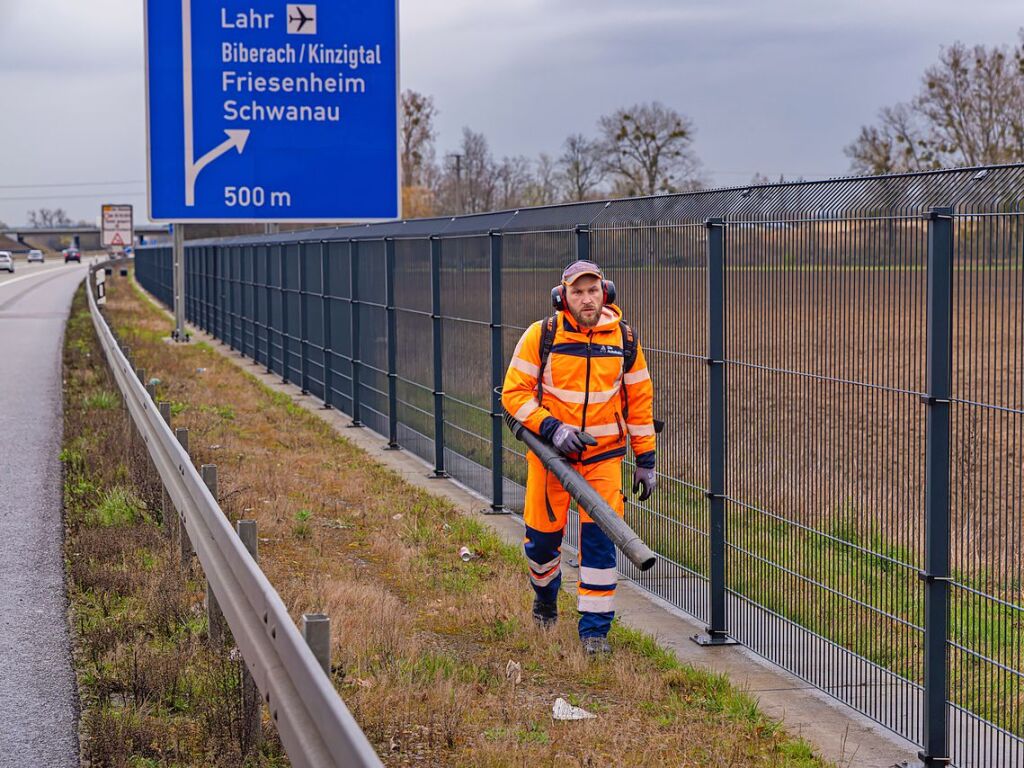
(458, 181)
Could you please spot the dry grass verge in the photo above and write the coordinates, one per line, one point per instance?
(421, 640)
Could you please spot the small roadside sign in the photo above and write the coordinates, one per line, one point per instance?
(101, 287)
(272, 111)
(116, 225)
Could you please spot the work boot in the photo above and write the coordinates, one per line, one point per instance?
(595, 646)
(544, 614)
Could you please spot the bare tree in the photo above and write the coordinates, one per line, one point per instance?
(581, 166)
(513, 180)
(647, 149)
(468, 183)
(543, 188)
(48, 217)
(417, 136)
(969, 111)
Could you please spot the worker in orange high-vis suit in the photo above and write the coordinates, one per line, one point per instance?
(568, 375)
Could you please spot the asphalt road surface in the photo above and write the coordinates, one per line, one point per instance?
(38, 702)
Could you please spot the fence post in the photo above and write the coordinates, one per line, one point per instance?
(316, 631)
(251, 703)
(270, 314)
(326, 320)
(303, 340)
(497, 376)
(436, 340)
(716, 633)
(229, 299)
(214, 616)
(582, 242)
(936, 574)
(283, 250)
(325, 276)
(353, 277)
(392, 340)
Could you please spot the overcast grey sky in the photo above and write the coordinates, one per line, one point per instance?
(775, 86)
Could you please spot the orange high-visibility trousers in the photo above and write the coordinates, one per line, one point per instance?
(545, 514)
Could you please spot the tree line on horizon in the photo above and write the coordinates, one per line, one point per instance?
(969, 111)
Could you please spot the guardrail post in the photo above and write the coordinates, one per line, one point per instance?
(936, 573)
(316, 631)
(392, 341)
(497, 376)
(185, 545)
(165, 413)
(214, 617)
(435, 315)
(716, 633)
(140, 373)
(582, 242)
(353, 277)
(252, 720)
(303, 340)
(325, 277)
(151, 390)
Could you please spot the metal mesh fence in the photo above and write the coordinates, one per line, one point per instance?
(841, 368)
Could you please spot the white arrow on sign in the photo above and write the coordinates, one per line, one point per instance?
(236, 138)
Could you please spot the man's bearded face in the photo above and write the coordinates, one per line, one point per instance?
(585, 298)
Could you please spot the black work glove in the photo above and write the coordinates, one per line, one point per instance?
(646, 478)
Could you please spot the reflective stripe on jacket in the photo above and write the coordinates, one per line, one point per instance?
(583, 385)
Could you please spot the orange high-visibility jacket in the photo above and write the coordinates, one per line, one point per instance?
(584, 386)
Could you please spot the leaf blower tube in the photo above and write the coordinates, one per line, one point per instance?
(583, 492)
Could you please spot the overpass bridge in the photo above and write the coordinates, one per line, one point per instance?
(86, 237)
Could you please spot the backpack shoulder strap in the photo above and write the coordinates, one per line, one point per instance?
(628, 360)
(547, 341)
(629, 342)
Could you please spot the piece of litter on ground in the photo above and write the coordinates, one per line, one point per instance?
(397, 517)
(514, 672)
(214, 447)
(200, 370)
(466, 554)
(334, 524)
(563, 710)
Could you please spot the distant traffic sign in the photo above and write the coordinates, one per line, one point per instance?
(116, 225)
(272, 111)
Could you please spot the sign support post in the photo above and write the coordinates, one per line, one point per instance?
(179, 282)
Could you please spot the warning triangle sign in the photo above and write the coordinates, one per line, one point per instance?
(117, 240)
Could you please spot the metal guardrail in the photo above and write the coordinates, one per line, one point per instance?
(316, 728)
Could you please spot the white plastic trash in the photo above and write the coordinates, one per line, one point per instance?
(563, 710)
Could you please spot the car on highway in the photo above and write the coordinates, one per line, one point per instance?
(35, 255)
(72, 254)
(6, 261)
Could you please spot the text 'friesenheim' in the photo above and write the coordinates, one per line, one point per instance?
(246, 83)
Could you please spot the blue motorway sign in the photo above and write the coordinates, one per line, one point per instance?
(263, 110)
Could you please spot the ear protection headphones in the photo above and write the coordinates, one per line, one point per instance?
(558, 295)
